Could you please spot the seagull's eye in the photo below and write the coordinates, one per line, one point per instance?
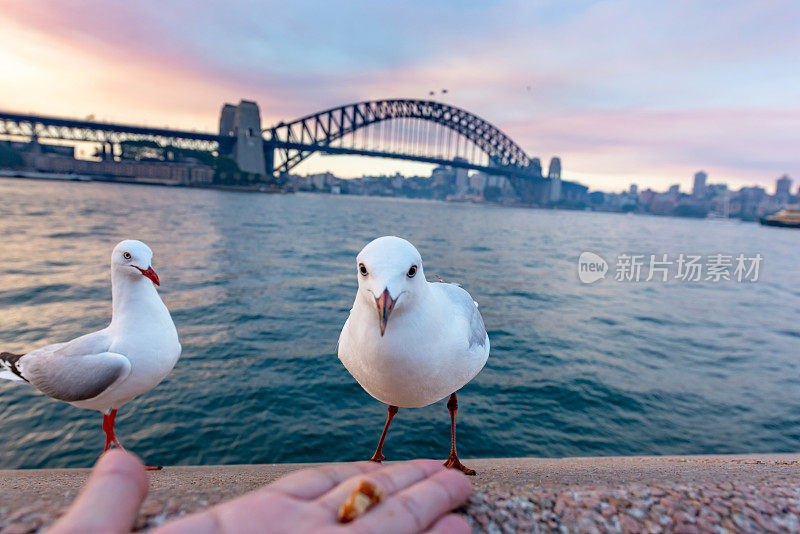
(362, 269)
(126, 255)
(412, 271)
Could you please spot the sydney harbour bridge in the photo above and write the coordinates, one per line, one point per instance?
(406, 129)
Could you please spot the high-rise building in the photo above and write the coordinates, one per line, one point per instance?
(783, 186)
(554, 174)
(699, 189)
(674, 189)
(634, 190)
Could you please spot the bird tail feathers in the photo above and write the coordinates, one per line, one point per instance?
(8, 375)
(9, 369)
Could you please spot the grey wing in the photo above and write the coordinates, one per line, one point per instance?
(469, 309)
(78, 370)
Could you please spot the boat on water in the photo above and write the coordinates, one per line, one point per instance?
(788, 217)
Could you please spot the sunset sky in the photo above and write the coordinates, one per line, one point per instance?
(623, 91)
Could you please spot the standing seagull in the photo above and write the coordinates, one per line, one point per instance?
(105, 369)
(434, 344)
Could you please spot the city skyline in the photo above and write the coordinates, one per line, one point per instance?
(623, 92)
(783, 184)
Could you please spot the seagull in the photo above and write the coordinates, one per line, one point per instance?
(108, 368)
(434, 344)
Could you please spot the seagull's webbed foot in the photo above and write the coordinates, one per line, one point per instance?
(454, 463)
(377, 457)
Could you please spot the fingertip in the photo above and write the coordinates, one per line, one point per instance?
(457, 483)
(119, 460)
(121, 463)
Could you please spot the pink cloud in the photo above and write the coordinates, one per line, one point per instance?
(615, 105)
(741, 146)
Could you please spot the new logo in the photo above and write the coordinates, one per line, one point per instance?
(591, 267)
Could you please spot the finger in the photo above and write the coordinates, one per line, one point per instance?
(450, 524)
(110, 500)
(414, 509)
(256, 512)
(309, 484)
(389, 480)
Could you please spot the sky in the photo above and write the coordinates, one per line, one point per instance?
(628, 91)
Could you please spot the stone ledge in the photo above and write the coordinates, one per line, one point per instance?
(627, 494)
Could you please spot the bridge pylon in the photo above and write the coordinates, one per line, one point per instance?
(244, 123)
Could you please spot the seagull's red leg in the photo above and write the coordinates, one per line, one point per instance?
(378, 456)
(113, 417)
(108, 427)
(452, 460)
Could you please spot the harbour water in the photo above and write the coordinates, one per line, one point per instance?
(260, 285)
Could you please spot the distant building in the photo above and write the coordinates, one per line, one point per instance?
(172, 173)
(716, 189)
(574, 193)
(321, 181)
(674, 189)
(397, 181)
(748, 202)
(634, 190)
(646, 196)
(783, 186)
(461, 177)
(699, 189)
(501, 184)
(477, 182)
(554, 174)
(443, 176)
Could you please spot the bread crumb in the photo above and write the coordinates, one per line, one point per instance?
(364, 497)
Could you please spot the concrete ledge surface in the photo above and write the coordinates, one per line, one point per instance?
(748, 493)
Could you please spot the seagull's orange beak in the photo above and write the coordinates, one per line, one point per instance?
(151, 274)
(385, 306)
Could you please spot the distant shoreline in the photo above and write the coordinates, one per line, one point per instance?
(34, 175)
(57, 177)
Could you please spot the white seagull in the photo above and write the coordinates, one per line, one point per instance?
(108, 368)
(435, 343)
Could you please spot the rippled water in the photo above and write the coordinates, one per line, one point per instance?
(260, 285)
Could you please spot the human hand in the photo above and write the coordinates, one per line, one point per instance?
(110, 500)
(418, 497)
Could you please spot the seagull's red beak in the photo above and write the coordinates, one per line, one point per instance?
(385, 306)
(151, 274)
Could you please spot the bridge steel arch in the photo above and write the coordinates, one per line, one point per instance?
(299, 139)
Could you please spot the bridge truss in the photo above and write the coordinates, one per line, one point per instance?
(32, 126)
(416, 130)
